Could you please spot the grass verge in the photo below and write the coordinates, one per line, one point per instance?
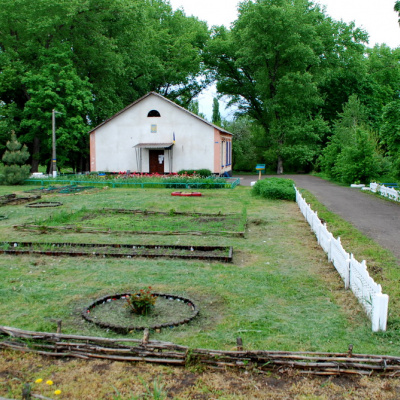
(381, 263)
(279, 293)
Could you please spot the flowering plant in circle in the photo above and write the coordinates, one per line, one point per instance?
(141, 302)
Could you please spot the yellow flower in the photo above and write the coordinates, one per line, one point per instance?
(58, 391)
(49, 382)
(39, 380)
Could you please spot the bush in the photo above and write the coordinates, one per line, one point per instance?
(204, 173)
(275, 188)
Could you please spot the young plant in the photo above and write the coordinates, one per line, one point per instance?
(141, 302)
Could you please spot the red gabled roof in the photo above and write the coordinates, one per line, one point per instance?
(169, 101)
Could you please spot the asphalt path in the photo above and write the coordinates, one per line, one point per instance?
(377, 218)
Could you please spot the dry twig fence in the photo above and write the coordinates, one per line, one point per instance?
(145, 350)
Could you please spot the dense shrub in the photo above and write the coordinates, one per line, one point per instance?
(204, 173)
(275, 188)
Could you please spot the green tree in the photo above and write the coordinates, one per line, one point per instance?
(397, 8)
(194, 108)
(347, 73)
(390, 133)
(88, 59)
(351, 154)
(272, 64)
(244, 146)
(57, 86)
(15, 171)
(383, 69)
(216, 115)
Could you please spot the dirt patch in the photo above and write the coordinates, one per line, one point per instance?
(131, 379)
(257, 222)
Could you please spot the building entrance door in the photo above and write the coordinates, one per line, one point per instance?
(156, 161)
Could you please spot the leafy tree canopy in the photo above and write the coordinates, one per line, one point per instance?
(88, 59)
(273, 63)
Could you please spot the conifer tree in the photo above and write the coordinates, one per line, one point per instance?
(14, 158)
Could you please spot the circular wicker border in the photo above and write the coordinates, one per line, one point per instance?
(127, 329)
(45, 204)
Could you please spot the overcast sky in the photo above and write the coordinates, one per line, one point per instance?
(377, 17)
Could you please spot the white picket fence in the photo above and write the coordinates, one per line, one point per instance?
(354, 274)
(388, 192)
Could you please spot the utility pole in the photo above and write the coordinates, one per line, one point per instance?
(54, 154)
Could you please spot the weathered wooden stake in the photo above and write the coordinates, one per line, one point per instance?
(239, 344)
(59, 324)
(350, 352)
(145, 339)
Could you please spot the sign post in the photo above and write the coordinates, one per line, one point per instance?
(260, 168)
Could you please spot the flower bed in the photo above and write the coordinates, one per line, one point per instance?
(139, 180)
(109, 313)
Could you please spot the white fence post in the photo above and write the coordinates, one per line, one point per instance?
(354, 274)
(389, 192)
(341, 260)
(380, 304)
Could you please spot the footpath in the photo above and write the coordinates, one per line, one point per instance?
(377, 218)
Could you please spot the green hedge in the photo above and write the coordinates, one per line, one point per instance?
(275, 188)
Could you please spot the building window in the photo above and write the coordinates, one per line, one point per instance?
(153, 128)
(154, 113)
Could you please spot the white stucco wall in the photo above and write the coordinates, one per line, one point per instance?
(114, 141)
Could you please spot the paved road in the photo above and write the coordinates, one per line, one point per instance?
(377, 218)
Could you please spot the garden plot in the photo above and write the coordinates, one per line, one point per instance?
(143, 222)
(14, 199)
(211, 253)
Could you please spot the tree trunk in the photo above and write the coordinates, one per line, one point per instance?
(279, 169)
(35, 154)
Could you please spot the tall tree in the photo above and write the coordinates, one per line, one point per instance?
(383, 69)
(390, 133)
(88, 59)
(216, 115)
(397, 8)
(194, 107)
(272, 64)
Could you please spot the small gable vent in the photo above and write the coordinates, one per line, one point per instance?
(153, 113)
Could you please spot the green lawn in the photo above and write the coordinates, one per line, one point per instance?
(280, 292)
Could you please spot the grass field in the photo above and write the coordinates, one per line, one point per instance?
(280, 292)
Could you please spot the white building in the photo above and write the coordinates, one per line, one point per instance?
(155, 135)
